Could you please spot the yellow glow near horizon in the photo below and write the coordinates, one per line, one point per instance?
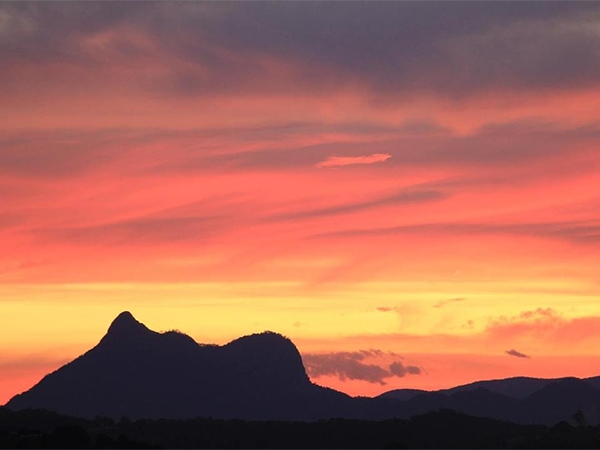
(221, 311)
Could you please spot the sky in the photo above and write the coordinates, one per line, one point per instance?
(407, 190)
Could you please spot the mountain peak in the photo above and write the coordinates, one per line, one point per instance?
(270, 356)
(125, 326)
(123, 320)
(265, 340)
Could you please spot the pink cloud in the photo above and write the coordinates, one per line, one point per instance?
(335, 161)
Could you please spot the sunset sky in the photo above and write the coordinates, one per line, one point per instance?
(408, 191)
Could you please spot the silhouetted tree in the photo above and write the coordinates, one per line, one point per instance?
(580, 419)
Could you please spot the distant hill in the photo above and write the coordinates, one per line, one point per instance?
(138, 373)
(402, 394)
(516, 387)
(520, 399)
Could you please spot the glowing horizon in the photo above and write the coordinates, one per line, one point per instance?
(413, 181)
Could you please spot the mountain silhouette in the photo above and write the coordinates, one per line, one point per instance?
(567, 394)
(515, 387)
(139, 373)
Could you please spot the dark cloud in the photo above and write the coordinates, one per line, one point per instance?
(38, 32)
(451, 48)
(513, 352)
(351, 366)
(403, 48)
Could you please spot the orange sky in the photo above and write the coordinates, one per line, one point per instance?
(409, 191)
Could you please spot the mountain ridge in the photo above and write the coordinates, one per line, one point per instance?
(140, 373)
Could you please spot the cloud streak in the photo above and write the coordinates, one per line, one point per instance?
(578, 232)
(443, 303)
(340, 161)
(405, 197)
(148, 230)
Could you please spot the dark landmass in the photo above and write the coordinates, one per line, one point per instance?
(440, 429)
(141, 374)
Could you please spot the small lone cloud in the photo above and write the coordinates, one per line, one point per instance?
(337, 161)
(513, 352)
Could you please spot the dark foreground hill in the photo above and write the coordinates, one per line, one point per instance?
(440, 429)
(138, 373)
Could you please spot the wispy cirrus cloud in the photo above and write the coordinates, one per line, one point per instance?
(145, 229)
(339, 161)
(407, 196)
(578, 232)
